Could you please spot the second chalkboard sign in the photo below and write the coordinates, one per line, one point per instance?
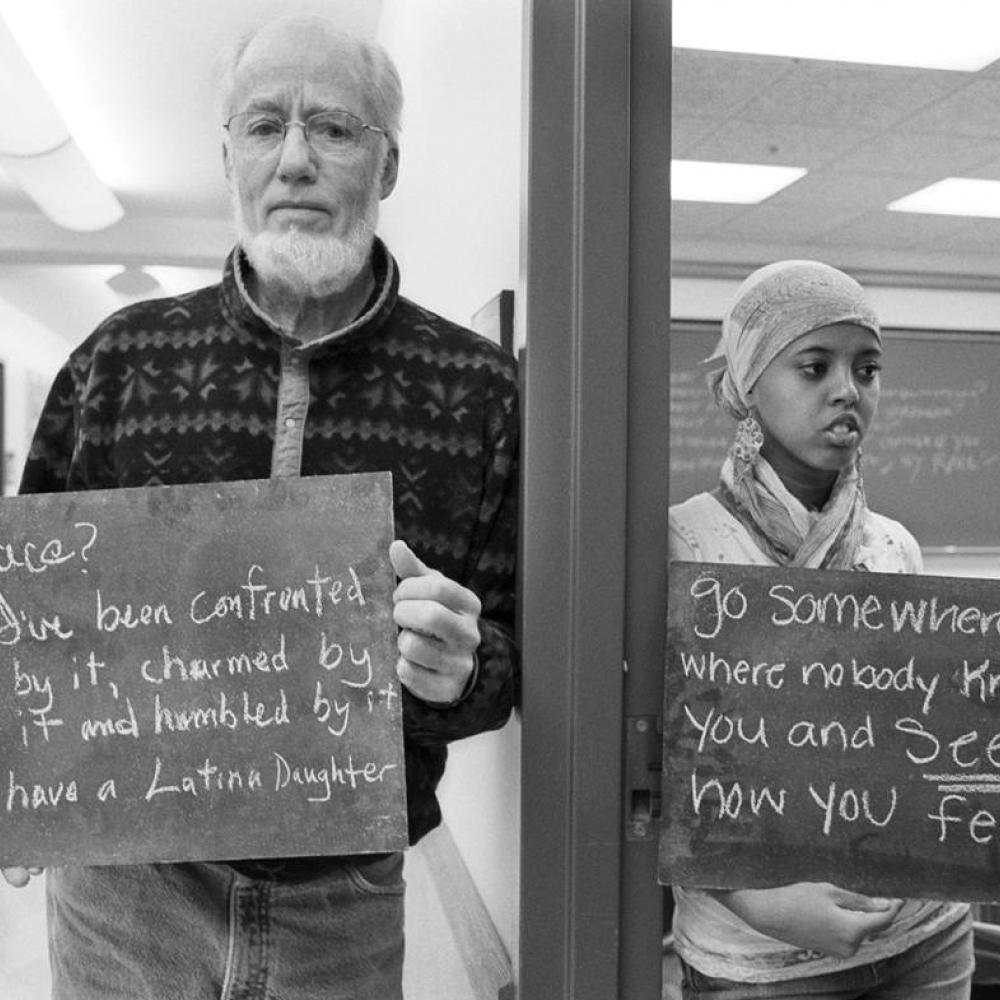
(832, 726)
(199, 672)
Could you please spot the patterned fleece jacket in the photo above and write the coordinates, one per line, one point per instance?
(205, 388)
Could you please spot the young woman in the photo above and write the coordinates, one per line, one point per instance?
(798, 369)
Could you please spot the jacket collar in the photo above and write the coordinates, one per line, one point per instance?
(243, 313)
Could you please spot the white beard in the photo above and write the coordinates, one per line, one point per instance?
(306, 264)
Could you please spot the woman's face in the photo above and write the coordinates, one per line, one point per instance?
(816, 400)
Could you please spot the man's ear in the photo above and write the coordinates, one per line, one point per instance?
(390, 170)
(227, 164)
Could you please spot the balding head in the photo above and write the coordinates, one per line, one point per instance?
(316, 46)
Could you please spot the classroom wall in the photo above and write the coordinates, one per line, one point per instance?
(461, 160)
(31, 355)
(897, 306)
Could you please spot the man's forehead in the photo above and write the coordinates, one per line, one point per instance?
(281, 84)
(288, 60)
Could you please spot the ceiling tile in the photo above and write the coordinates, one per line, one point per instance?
(842, 94)
(972, 110)
(776, 221)
(992, 70)
(976, 236)
(690, 219)
(687, 131)
(863, 192)
(787, 145)
(716, 84)
(895, 231)
(988, 171)
(904, 153)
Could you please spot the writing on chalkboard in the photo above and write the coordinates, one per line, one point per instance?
(199, 672)
(934, 431)
(832, 726)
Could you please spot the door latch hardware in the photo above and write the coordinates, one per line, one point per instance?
(643, 770)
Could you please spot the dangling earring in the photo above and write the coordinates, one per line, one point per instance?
(749, 439)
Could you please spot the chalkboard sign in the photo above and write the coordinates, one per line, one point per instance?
(199, 672)
(932, 458)
(832, 726)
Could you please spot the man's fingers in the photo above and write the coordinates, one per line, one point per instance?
(438, 620)
(432, 654)
(428, 685)
(435, 621)
(437, 588)
(17, 876)
(405, 562)
(418, 582)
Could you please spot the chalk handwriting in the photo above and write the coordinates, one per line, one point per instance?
(207, 777)
(14, 622)
(39, 556)
(254, 599)
(221, 714)
(159, 665)
(169, 666)
(840, 726)
(850, 806)
(37, 795)
(729, 803)
(327, 775)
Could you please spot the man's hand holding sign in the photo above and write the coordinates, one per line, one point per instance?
(439, 629)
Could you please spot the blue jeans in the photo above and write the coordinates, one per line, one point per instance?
(939, 968)
(207, 932)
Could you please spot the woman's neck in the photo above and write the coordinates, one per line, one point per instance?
(811, 487)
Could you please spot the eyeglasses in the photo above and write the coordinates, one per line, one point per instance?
(328, 133)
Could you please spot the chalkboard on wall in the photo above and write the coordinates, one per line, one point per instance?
(932, 458)
(831, 726)
(199, 672)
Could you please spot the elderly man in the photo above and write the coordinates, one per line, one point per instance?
(304, 360)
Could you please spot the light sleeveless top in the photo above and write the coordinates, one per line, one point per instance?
(707, 935)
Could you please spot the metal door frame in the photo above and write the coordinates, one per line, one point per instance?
(595, 309)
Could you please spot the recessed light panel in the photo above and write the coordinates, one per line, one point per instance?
(953, 196)
(737, 183)
(959, 35)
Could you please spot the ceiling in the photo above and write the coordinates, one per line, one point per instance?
(134, 81)
(867, 134)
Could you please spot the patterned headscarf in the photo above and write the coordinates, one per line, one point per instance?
(774, 306)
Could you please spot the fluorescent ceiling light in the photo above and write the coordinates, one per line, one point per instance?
(738, 183)
(64, 186)
(953, 196)
(38, 153)
(29, 121)
(959, 35)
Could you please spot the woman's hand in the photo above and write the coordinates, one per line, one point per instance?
(814, 915)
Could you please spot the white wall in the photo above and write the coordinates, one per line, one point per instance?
(31, 354)
(919, 308)
(452, 224)
(452, 221)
